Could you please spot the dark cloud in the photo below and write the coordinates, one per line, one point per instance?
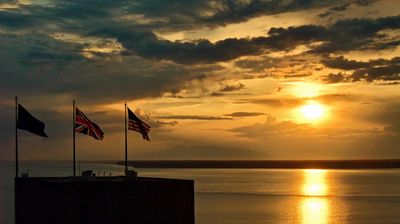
(335, 9)
(16, 20)
(344, 35)
(216, 94)
(227, 88)
(373, 70)
(294, 76)
(39, 64)
(152, 15)
(190, 14)
(365, 2)
(148, 45)
(335, 78)
(245, 114)
(234, 87)
(194, 117)
(258, 65)
(345, 6)
(338, 97)
(294, 102)
(346, 64)
(273, 102)
(385, 73)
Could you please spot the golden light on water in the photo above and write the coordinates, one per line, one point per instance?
(315, 209)
(315, 183)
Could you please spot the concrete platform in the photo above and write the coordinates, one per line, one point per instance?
(108, 200)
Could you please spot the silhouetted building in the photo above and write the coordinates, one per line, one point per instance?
(104, 200)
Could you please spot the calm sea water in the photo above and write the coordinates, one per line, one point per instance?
(251, 196)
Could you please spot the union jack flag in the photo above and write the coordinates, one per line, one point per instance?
(135, 124)
(85, 126)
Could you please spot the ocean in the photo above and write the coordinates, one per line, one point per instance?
(252, 196)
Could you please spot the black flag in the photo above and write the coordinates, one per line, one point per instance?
(29, 123)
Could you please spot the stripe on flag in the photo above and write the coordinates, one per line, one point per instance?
(135, 124)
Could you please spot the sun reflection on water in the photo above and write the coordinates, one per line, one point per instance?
(315, 209)
(314, 183)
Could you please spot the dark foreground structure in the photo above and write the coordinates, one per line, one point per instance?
(104, 200)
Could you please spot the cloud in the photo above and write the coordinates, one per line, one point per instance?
(388, 116)
(149, 46)
(306, 141)
(273, 102)
(346, 64)
(365, 2)
(271, 128)
(345, 6)
(81, 18)
(259, 64)
(335, 9)
(386, 73)
(244, 114)
(148, 15)
(194, 117)
(234, 87)
(216, 13)
(39, 64)
(226, 89)
(373, 70)
(205, 151)
(295, 101)
(344, 35)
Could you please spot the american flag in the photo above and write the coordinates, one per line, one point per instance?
(85, 126)
(135, 124)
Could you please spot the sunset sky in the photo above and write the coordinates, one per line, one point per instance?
(229, 79)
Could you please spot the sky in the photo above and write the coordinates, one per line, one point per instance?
(228, 79)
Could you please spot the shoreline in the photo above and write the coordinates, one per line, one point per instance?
(265, 164)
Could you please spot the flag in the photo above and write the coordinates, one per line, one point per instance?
(85, 126)
(135, 124)
(29, 123)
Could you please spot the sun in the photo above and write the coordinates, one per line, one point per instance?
(313, 111)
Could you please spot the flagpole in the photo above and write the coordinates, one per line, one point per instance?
(126, 144)
(73, 133)
(16, 136)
